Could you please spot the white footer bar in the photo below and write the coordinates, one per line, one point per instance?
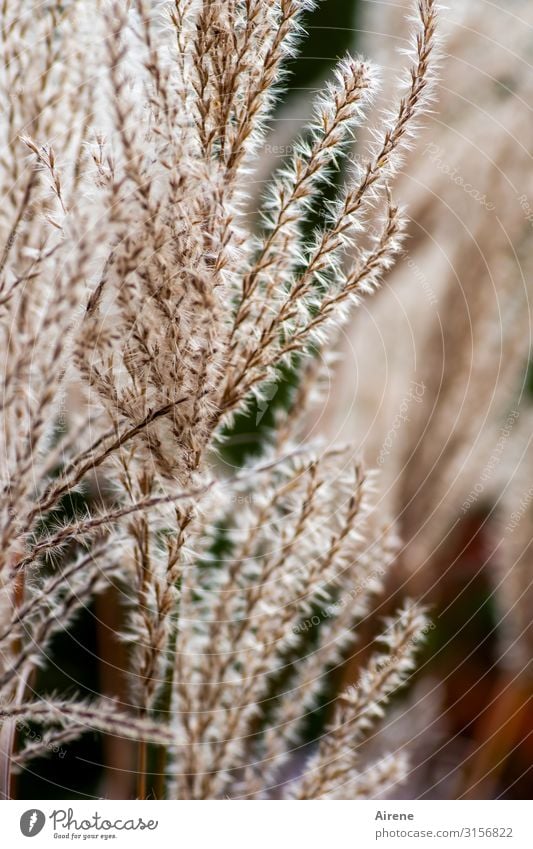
(267, 825)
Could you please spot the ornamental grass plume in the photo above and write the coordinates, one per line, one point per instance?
(140, 312)
(446, 409)
(453, 325)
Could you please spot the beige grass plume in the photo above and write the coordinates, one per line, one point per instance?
(140, 312)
